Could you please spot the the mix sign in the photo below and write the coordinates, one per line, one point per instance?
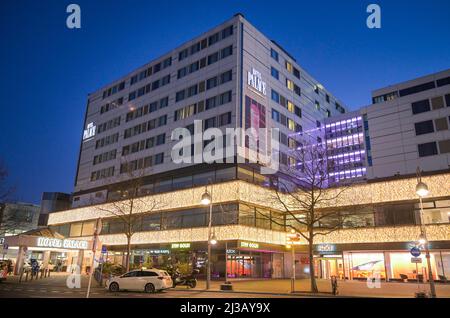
(66, 243)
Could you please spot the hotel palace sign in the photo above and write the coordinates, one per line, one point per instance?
(66, 243)
(254, 80)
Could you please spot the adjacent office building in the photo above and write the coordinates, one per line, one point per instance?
(233, 76)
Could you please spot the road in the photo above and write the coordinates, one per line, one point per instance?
(55, 287)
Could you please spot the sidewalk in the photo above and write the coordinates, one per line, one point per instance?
(346, 288)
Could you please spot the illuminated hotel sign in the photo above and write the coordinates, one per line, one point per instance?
(89, 132)
(57, 243)
(180, 245)
(254, 80)
(249, 244)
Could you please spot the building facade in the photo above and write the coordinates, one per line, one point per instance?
(230, 77)
(235, 77)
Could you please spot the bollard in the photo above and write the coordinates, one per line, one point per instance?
(26, 276)
(21, 275)
(42, 273)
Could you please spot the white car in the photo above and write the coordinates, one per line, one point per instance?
(148, 280)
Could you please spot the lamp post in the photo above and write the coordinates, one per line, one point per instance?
(422, 191)
(207, 200)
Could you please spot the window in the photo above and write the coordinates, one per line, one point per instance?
(444, 146)
(290, 84)
(210, 122)
(226, 77)
(427, 149)
(212, 82)
(274, 54)
(160, 139)
(275, 96)
(298, 111)
(225, 119)
(226, 52)
(424, 127)
(291, 124)
(179, 96)
(289, 67)
(447, 100)
(296, 73)
(275, 115)
(290, 106)
(297, 90)
(443, 81)
(274, 73)
(159, 158)
(416, 89)
(437, 102)
(421, 106)
(441, 124)
(213, 58)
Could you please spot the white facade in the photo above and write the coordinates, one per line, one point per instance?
(251, 52)
(394, 138)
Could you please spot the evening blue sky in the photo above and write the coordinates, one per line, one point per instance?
(48, 70)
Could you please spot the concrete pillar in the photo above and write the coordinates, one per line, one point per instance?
(20, 260)
(46, 259)
(80, 259)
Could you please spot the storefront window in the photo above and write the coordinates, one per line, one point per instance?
(401, 267)
(363, 265)
(226, 174)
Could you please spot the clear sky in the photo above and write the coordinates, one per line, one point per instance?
(48, 70)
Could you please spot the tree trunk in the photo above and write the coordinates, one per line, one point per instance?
(312, 273)
(127, 259)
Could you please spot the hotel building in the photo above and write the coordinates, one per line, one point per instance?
(235, 77)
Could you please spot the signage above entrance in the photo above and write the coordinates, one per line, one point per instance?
(326, 248)
(254, 80)
(180, 245)
(245, 244)
(57, 243)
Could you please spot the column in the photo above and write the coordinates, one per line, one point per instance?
(80, 260)
(20, 260)
(46, 259)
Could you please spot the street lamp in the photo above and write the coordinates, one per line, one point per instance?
(207, 200)
(422, 191)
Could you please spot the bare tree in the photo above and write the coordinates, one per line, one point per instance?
(130, 203)
(8, 221)
(306, 198)
(5, 190)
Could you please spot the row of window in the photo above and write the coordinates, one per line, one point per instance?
(431, 148)
(144, 144)
(147, 109)
(411, 90)
(112, 105)
(210, 59)
(204, 43)
(426, 127)
(151, 70)
(114, 89)
(423, 106)
(142, 163)
(106, 156)
(283, 101)
(110, 124)
(285, 121)
(149, 87)
(146, 126)
(200, 87)
(107, 140)
(102, 173)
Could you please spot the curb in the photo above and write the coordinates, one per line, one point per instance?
(297, 294)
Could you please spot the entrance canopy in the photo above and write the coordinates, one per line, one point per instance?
(46, 238)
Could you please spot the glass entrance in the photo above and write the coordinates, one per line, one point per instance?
(327, 267)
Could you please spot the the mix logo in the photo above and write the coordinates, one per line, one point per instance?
(235, 145)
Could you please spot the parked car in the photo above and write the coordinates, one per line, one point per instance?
(148, 280)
